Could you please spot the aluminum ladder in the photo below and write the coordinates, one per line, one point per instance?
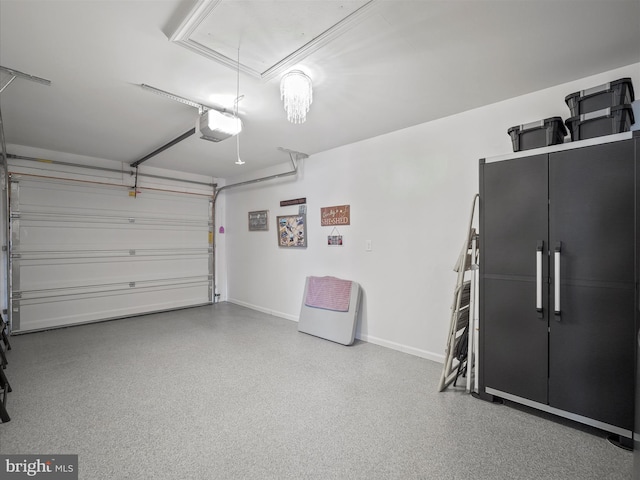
(461, 349)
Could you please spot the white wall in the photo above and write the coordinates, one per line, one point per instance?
(410, 193)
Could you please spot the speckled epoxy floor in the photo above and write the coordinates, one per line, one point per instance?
(224, 392)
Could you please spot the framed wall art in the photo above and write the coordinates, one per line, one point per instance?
(335, 238)
(338, 215)
(292, 231)
(259, 220)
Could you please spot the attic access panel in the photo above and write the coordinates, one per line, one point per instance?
(272, 35)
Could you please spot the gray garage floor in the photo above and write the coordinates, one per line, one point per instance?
(224, 392)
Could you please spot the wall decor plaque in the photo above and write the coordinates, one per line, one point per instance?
(338, 215)
(259, 220)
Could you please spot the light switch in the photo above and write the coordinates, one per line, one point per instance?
(368, 247)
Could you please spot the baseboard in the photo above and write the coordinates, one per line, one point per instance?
(365, 338)
(275, 313)
(402, 348)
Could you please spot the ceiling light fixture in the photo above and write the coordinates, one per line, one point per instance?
(297, 93)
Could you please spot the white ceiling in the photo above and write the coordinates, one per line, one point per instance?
(390, 65)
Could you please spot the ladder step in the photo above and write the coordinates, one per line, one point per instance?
(460, 348)
(464, 263)
(465, 294)
(463, 319)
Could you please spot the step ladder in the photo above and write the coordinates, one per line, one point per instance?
(461, 350)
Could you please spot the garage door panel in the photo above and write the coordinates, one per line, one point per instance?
(56, 274)
(49, 313)
(74, 237)
(42, 196)
(83, 252)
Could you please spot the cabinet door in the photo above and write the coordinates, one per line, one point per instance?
(592, 340)
(514, 219)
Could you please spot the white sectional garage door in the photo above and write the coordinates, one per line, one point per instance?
(84, 251)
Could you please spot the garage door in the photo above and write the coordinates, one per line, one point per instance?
(85, 251)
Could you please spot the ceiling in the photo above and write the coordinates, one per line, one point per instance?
(376, 67)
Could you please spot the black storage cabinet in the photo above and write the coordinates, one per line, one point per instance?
(558, 297)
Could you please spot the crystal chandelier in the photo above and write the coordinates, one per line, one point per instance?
(297, 93)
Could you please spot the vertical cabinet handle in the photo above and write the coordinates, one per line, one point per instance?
(539, 249)
(556, 278)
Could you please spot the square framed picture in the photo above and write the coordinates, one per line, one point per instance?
(292, 231)
(335, 240)
(259, 221)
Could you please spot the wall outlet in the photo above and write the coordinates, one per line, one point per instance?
(368, 247)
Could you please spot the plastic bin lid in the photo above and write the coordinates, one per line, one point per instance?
(602, 88)
(538, 124)
(601, 113)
